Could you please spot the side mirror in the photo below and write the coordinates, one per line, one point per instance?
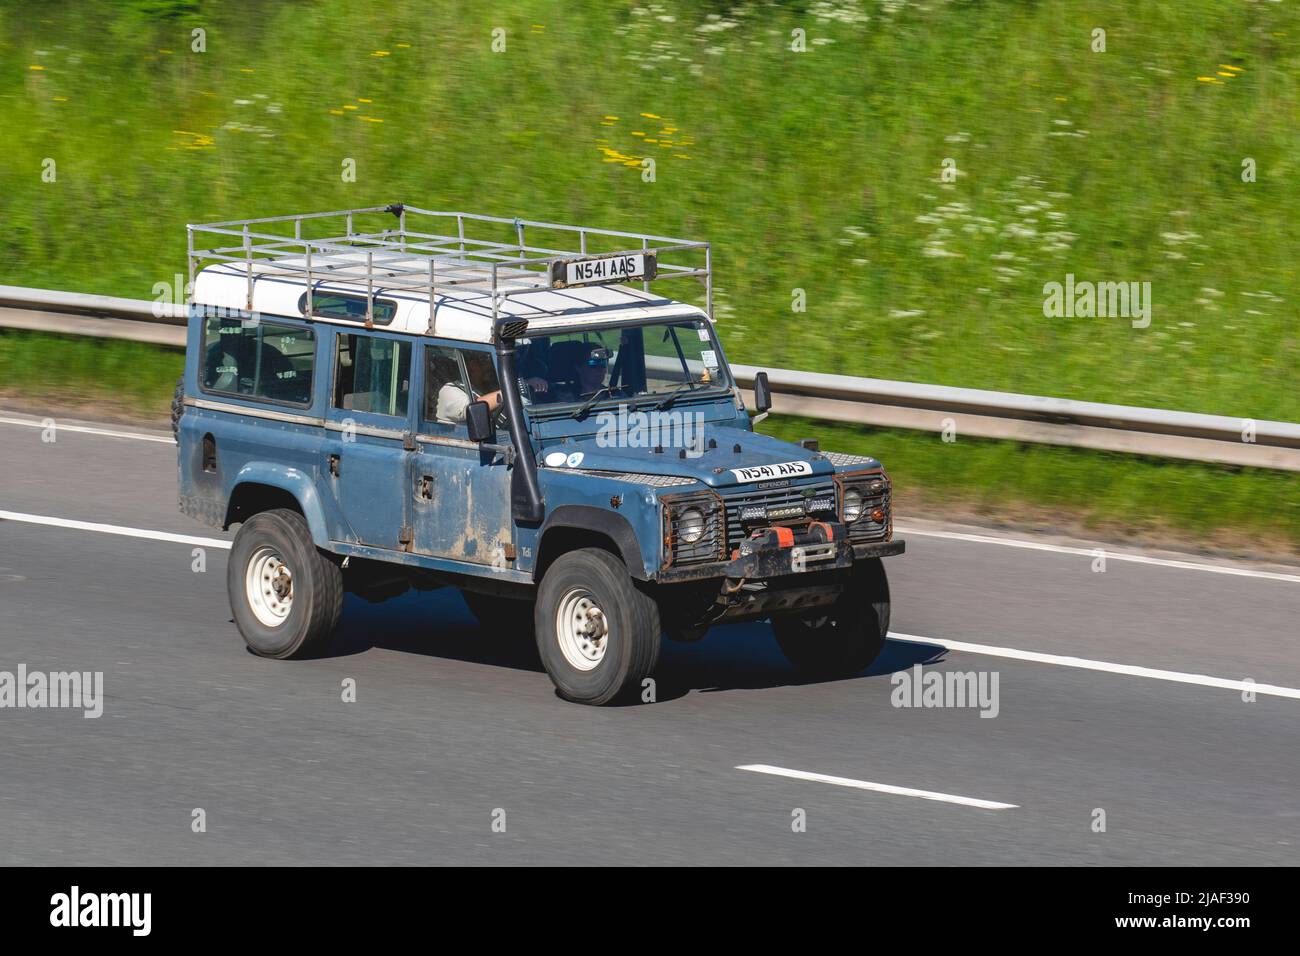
(762, 393)
(479, 421)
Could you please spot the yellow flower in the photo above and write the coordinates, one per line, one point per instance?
(650, 116)
(35, 67)
(380, 53)
(362, 99)
(1229, 66)
(1223, 73)
(1208, 79)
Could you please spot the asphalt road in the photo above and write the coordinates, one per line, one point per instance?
(453, 729)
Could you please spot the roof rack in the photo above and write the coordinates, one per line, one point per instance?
(435, 252)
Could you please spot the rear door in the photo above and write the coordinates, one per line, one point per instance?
(462, 499)
(367, 464)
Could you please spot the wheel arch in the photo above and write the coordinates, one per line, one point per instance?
(261, 487)
(569, 527)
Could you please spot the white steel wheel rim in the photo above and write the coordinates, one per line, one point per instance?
(581, 629)
(268, 585)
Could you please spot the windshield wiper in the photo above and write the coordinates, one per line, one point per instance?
(581, 412)
(672, 396)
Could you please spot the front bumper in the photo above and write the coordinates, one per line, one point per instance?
(762, 561)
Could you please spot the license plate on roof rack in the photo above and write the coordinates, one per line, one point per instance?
(598, 270)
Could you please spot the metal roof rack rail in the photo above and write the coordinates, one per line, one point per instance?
(437, 252)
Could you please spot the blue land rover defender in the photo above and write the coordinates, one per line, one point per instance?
(389, 398)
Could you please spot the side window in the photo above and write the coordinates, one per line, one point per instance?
(455, 377)
(372, 375)
(258, 360)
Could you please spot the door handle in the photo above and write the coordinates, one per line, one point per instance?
(334, 465)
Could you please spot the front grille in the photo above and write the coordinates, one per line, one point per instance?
(709, 546)
(739, 525)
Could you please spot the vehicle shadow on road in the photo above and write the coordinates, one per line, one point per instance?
(746, 657)
(435, 624)
(730, 657)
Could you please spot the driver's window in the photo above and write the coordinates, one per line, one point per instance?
(453, 378)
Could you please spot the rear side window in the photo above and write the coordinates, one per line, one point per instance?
(374, 375)
(258, 360)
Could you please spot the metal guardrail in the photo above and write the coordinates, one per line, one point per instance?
(954, 413)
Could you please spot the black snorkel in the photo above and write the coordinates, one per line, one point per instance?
(526, 504)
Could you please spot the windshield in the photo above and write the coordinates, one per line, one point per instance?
(661, 359)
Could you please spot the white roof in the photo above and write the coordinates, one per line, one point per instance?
(462, 311)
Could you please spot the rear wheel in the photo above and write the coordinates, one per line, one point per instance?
(597, 633)
(500, 617)
(285, 594)
(841, 640)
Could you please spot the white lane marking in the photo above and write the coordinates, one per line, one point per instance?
(877, 787)
(1084, 663)
(87, 430)
(114, 529)
(1092, 552)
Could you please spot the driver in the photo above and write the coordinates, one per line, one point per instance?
(592, 364)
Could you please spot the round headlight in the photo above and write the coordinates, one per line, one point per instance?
(690, 525)
(852, 505)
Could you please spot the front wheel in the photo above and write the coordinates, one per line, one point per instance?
(285, 594)
(843, 639)
(597, 633)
